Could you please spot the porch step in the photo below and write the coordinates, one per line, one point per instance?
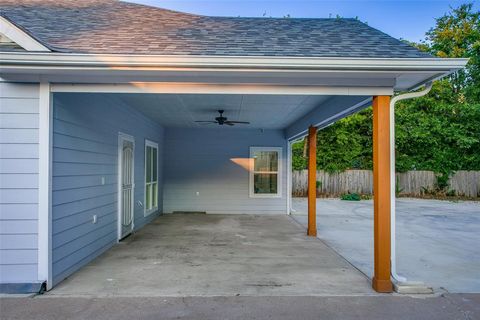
(412, 287)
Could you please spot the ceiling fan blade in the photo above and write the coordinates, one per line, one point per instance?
(229, 123)
(241, 122)
(206, 121)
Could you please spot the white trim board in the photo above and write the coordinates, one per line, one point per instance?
(45, 186)
(214, 88)
(18, 36)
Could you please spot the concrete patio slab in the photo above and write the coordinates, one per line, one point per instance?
(437, 241)
(217, 255)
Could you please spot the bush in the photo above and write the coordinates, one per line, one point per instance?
(442, 182)
(351, 197)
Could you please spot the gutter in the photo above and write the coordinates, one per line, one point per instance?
(15, 60)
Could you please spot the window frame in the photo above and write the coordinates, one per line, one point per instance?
(154, 145)
(279, 173)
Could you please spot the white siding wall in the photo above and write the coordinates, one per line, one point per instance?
(200, 160)
(18, 183)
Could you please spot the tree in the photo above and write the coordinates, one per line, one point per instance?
(345, 145)
(457, 35)
(435, 134)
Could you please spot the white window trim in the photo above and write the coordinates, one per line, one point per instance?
(279, 150)
(152, 144)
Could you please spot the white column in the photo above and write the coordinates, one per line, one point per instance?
(44, 186)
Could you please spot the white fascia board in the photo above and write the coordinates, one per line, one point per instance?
(155, 62)
(217, 88)
(18, 36)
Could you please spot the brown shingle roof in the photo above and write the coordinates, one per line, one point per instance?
(108, 26)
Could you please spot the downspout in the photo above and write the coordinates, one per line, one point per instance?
(409, 95)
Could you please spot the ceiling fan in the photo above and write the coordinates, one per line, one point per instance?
(221, 120)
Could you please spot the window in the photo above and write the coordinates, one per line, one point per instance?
(265, 172)
(151, 177)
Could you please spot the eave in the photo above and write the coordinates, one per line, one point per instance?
(399, 73)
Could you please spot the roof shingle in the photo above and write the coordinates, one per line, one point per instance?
(114, 27)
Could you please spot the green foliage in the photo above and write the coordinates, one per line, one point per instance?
(299, 162)
(439, 132)
(435, 134)
(442, 182)
(457, 35)
(340, 147)
(351, 197)
(345, 145)
(318, 184)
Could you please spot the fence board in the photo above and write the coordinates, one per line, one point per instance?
(465, 183)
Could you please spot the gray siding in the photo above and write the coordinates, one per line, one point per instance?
(18, 183)
(85, 142)
(199, 160)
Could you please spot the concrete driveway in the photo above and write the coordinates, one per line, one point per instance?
(202, 255)
(438, 242)
(379, 307)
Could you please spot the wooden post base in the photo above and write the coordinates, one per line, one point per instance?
(312, 232)
(382, 286)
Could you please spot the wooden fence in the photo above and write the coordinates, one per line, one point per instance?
(414, 183)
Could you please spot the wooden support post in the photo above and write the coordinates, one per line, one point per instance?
(312, 182)
(381, 187)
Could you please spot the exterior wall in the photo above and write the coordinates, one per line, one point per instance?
(85, 149)
(199, 160)
(19, 166)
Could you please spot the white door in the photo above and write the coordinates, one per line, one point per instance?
(126, 183)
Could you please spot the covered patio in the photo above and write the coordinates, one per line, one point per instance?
(202, 168)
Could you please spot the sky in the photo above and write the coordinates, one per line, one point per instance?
(404, 19)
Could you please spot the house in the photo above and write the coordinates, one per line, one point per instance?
(99, 103)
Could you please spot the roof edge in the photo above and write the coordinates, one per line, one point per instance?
(115, 61)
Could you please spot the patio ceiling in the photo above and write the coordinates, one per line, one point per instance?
(181, 110)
